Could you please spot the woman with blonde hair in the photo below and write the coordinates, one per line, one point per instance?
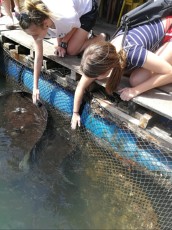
(147, 52)
(70, 21)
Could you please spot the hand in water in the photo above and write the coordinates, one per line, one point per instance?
(35, 95)
(76, 120)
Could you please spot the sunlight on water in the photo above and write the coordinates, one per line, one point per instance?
(64, 190)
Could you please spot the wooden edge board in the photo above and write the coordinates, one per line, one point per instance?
(133, 124)
(22, 38)
(109, 107)
(154, 100)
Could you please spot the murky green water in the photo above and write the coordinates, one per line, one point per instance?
(65, 189)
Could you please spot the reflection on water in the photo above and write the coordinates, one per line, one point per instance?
(64, 190)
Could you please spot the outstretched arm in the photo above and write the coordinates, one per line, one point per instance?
(79, 93)
(37, 68)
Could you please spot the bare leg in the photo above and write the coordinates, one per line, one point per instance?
(7, 7)
(79, 41)
(138, 76)
(17, 6)
(8, 11)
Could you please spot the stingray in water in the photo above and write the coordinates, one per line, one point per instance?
(22, 125)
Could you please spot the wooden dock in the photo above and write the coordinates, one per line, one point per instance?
(156, 102)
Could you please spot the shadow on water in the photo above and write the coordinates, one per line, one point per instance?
(63, 188)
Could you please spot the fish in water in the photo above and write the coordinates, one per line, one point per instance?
(23, 125)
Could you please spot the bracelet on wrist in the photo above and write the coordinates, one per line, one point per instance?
(75, 112)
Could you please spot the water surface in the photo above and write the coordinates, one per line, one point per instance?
(67, 187)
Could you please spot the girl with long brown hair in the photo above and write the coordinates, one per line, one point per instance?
(108, 60)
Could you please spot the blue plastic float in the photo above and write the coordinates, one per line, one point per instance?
(123, 142)
(13, 69)
(50, 92)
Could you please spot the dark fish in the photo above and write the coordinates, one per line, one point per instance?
(22, 125)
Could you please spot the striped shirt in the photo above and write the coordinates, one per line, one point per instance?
(141, 39)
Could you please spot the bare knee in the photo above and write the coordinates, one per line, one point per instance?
(73, 49)
(134, 78)
(138, 76)
(131, 80)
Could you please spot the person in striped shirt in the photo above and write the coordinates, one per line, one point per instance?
(147, 51)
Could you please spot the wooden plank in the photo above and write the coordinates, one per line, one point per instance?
(166, 88)
(3, 27)
(116, 112)
(156, 101)
(71, 62)
(9, 46)
(101, 3)
(113, 12)
(19, 37)
(22, 38)
(48, 64)
(109, 7)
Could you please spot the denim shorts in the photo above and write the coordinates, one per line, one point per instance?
(88, 20)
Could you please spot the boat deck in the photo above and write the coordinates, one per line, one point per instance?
(155, 102)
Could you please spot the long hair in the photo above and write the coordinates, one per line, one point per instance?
(33, 12)
(100, 57)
